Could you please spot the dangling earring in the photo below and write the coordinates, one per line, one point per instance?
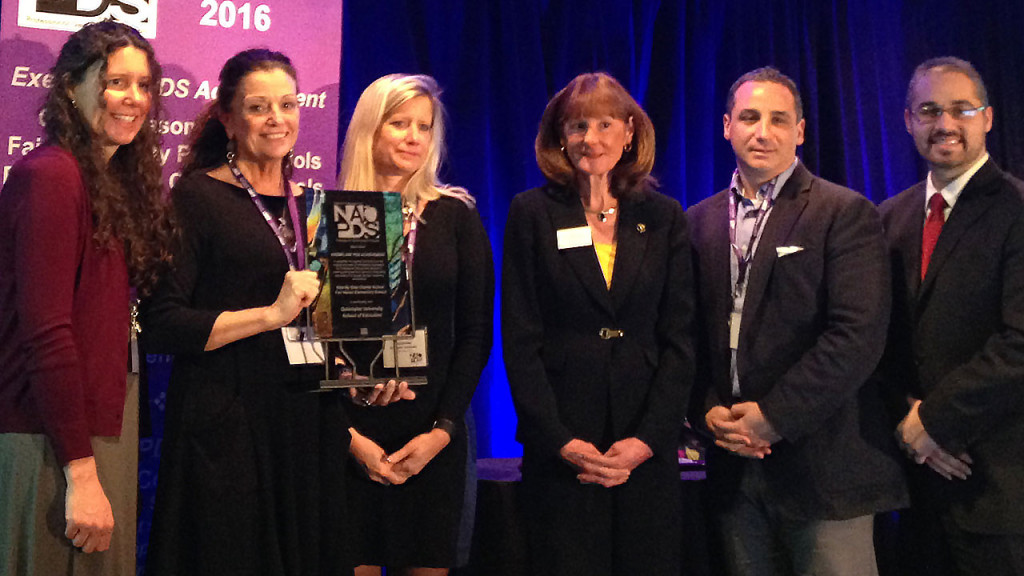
(287, 164)
(231, 151)
(627, 147)
(74, 103)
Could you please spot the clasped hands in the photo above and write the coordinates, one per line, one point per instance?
(742, 429)
(611, 468)
(921, 448)
(396, 468)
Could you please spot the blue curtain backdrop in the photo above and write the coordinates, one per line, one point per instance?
(500, 60)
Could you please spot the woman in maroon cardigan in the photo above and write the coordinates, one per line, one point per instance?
(81, 222)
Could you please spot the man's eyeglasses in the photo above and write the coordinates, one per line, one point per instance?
(928, 113)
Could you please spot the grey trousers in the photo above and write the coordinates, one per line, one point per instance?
(32, 490)
(759, 541)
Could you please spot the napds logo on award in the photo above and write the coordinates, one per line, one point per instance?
(356, 221)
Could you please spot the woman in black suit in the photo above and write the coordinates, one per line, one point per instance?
(597, 300)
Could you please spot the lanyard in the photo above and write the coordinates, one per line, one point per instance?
(409, 214)
(743, 257)
(294, 263)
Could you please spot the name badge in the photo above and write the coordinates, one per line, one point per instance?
(299, 344)
(410, 352)
(734, 330)
(574, 237)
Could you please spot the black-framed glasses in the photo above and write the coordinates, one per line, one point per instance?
(928, 113)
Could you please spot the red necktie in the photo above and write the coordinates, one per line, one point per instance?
(932, 228)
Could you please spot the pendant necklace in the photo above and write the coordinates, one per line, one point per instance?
(602, 215)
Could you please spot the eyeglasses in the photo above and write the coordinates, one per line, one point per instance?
(928, 113)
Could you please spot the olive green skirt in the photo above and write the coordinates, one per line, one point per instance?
(32, 489)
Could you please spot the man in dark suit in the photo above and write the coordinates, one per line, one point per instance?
(793, 296)
(955, 357)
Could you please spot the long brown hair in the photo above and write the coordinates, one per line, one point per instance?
(125, 195)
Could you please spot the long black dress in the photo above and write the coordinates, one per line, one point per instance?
(416, 524)
(252, 462)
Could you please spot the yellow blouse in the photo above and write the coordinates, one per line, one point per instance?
(606, 257)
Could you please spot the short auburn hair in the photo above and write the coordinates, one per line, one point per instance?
(596, 93)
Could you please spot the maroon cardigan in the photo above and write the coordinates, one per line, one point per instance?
(64, 317)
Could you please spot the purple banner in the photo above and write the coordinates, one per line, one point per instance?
(193, 39)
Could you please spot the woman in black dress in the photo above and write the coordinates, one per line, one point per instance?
(251, 459)
(406, 497)
(597, 299)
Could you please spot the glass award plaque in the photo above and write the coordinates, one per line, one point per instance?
(364, 313)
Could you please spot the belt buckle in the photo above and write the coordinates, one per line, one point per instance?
(609, 333)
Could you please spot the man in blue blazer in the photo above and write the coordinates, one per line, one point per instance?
(955, 357)
(793, 297)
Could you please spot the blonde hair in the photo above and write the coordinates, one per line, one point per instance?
(376, 104)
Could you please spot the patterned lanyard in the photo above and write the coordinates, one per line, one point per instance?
(743, 257)
(409, 214)
(294, 263)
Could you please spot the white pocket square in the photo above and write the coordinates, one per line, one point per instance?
(781, 251)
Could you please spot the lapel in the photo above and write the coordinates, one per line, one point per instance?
(719, 274)
(906, 231)
(717, 268)
(631, 245)
(974, 201)
(565, 211)
(789, 205)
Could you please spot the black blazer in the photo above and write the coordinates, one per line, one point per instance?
(813, 329)
(957, 341)
(567, 381)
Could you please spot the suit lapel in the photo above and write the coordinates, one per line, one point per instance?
(789, 205)
(972, 203)
(718, 270)
(631, 244)
(906, 233)
(566, 211)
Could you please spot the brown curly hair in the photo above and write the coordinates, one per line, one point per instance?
(125, 195)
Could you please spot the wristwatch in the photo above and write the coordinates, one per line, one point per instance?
(446, 425)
